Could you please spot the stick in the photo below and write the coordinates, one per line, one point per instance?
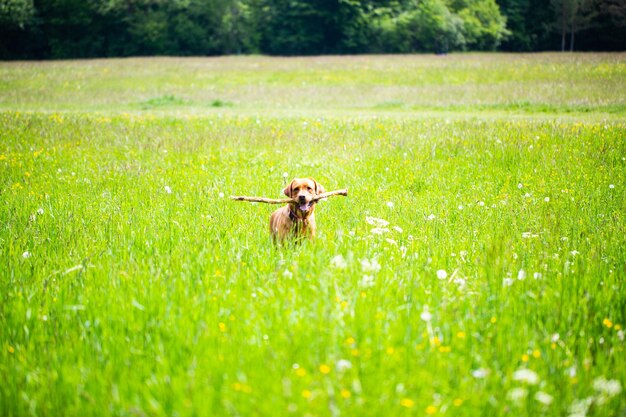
(318, 197)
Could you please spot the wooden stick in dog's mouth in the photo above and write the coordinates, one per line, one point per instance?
(315, 199)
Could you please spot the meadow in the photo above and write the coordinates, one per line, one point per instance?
(477, 267)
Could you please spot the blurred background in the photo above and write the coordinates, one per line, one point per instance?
(57, 29)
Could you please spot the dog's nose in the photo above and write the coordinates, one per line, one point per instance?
(302, 198)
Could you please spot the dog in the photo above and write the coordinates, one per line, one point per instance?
(297, 219)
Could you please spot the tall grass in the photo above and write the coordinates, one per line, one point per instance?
(476, 268)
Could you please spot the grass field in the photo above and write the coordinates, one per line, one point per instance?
(477, 267)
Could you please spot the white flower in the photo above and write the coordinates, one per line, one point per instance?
(481, 203)
(40, 211)
(367, 281)
(389, 204)
(287, 274)
(555, 338)
(398, 229)
(543, 397)
(480, 373)
(168, 189)
(460, 282)
(537, 275)
(442, 274)
(338, 262)
(431, 217)
(526, 376)
(368, 266)
(521, 275)
(517, 394)
(460, 206)
(527, 195)
(285, 175)
(426, 316)
(547, 199)
(507, 282)
(579, 408)
(343, 365)
(574, 252)
(607, 387)
(376, 221)
(379, 230)
(26, 255)
(391, 241)
(221, 195)
(611, 186)
(620, 335)
(519, 185)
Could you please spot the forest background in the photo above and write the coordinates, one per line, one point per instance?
(61, 29)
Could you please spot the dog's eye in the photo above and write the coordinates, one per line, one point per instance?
(309, 189)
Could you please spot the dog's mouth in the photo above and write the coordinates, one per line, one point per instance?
(305, 207)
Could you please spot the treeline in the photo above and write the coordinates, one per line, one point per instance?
(44, 29)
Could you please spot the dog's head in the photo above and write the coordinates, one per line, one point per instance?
(302, 190)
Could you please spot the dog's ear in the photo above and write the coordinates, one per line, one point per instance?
(288, 189)
(318, 187)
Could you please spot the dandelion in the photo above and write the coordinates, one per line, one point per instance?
(221, 195)
(519, 186)
(457, 402)
(521, 275)
(345, 394)
(389, 204)
(527, 376)
(325, 369)
(306, 393)
(442, 274)
(507, 282)
(40, 211)
(430, 217)
(431, 409)
(168, 189)
(543, 397)
(537, 275)
(26, 255)
(608, 323)
(611, 186)
(547, 199)
(426, 316)
(481, 203)
(407, 402)
(460, 206)
(338, 262)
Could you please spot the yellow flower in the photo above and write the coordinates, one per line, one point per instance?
(431, 409)
(345, 393)
(350, 341)
(460, 335)
(306, 393)
(525, 358)
(493, 320)
(11, 350)
(407, 402)
(325, 369)
(457, 402)
(617, 327)
(608, 323)
(300, 372)
(222, 327)
(536, 353)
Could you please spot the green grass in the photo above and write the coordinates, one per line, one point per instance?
(131, 285)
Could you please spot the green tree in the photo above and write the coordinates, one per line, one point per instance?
(484, 27)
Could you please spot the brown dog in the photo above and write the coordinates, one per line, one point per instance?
(297, 219)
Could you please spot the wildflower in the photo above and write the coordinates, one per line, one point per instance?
(430, 217)
(517, 394)
(607, 387)
(574, 252)
(222, 327)
(442, 274)
(519, 186)
(343, 365)
(168, 189)
(391, 241)
(338, 262)
(397, 229)
(389, 204)
(547, 199)
(526, 376)
(431, 409)
(345, 394)
(543, 398)
(370, 266)
(426, 316)
(407, 402)
(367, 281)
(325, 369)
(26, 255)
(481, 203)
(221, 195)
(379, 230)
(460, 206)
(608, 323)
(480, 373)
(306, 393)
(611, 186)
(40, 211)
(521, 275)
(457, 402)
(376, 222)
(507, 282)
(537, 275)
